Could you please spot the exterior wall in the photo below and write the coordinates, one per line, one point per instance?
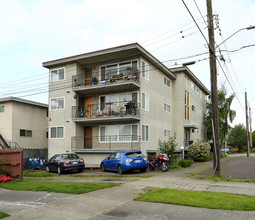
(18, 115)
(178, 112)
(156, 118)
(6, 121)
(195, 117)
(29, 117)
(62, 88)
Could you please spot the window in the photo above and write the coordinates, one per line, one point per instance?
(56, 132)
(58, 74)
(119, 133)
(107, 71)
(118, 100)
(2, 108)
(57, 103)
(193, 108)
(167, 107)
(145, 101)
(167, 133)
(145, 133)
(193, 86)
(145, 70)
(25, 133)
(167, 82)
(186, 98)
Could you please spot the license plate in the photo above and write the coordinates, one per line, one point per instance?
(75, 162)
(137, 161)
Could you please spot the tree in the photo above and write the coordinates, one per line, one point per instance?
(226, 115)
(237, 136)
(168, 147)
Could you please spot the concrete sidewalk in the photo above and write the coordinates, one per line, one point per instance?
(117, 202)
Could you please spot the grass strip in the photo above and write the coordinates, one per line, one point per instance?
(211, 200)
(111, 176)
(219, 179)
(58, 187)
(3, 215)
(28, 174)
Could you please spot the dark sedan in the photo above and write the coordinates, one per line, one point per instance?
(64, 162)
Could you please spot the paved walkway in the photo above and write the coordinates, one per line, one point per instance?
(117, 202)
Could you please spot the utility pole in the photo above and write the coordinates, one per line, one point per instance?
(250, 130)
(247, 125)
(214, 90)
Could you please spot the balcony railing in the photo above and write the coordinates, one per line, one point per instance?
(109, 78)
(106, 143)
(106, 110)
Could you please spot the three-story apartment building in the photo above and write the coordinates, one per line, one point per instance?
(119, 98)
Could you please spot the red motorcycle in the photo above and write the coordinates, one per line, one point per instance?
(161, 163)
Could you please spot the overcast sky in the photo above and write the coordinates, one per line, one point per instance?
(33, 32)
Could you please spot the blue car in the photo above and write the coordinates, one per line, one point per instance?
(123, 161)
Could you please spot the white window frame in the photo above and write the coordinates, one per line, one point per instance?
(57, 132)
(58, 74)
(165, 107)
(143, 136)
(119, 141)
(165, 133)
(57, 98)
(166, 80)
(145, 71)
(146, 99)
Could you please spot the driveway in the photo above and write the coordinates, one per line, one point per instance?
(117, 202)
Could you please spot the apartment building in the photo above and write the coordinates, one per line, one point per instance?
(23, 123)
(119, 98)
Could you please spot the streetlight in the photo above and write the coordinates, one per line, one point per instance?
(247, 28)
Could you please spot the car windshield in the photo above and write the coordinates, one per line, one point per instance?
(69, 156)
(134, 155)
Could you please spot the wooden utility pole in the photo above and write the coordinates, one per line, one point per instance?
(247, 125)
(250, 129)
(214, 89)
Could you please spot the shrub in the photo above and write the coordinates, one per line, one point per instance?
(199, 152)
(185, 163)
(222, 155)
(175, 166)
(4, 172)
(169, 148)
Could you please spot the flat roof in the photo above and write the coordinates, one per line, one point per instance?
(103, 55)
(16, 99)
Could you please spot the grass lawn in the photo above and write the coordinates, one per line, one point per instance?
(3, 215)
(29, 174)
(59, 187)
(211, 200)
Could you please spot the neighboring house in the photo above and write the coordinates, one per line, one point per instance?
(23, 123)
(119, 98)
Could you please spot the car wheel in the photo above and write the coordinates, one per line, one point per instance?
(143, 170)
(103, 167)
(59, 170)
(120, 169)
(47, 169)
(80, 170)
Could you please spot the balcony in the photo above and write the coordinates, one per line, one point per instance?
(105, 144)
(111, 81)
(107, 112)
